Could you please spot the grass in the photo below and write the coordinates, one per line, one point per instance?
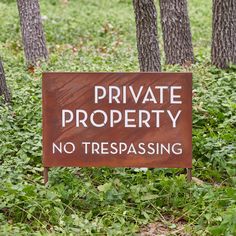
(100, 36)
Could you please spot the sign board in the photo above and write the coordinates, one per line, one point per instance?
(117, 119)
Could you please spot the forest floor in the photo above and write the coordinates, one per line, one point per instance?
(91, 35)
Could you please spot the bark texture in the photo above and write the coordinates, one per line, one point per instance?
(146, 33)
(176, 32)
(223, 48)
(3, 85)
(32, 31)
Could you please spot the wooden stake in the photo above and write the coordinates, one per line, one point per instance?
(189, 174)
(45, 175)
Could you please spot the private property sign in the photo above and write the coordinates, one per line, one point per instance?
(117, 119)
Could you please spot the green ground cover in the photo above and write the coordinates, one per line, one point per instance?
(92, 35)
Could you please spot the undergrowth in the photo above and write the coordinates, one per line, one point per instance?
(100, 36)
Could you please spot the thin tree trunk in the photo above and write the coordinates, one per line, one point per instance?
(32, 32)
(146, 33)
(3, 85)
(223, 48)
(176, 32)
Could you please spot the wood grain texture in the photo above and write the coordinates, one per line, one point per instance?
(176, 32)
(146, 34)
(76, 91)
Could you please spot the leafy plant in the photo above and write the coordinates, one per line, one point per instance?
(100, 36)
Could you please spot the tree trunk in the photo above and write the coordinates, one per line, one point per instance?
(223, 48)
(146, 33)
(32, 31)
(176, 32)
(3, 85)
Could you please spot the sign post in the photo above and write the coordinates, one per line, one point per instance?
(117, 120)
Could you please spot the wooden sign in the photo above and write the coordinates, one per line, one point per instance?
(117, 119)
